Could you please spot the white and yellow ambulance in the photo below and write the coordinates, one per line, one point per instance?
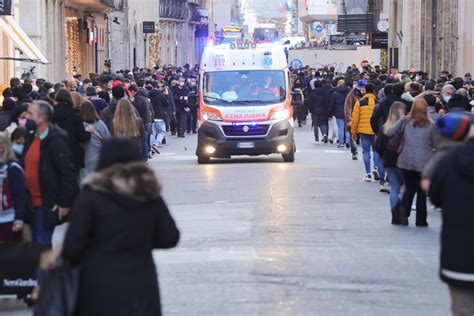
(244, 102)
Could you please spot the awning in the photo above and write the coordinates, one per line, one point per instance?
(21, 40)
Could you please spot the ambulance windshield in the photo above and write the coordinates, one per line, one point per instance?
(244, 87)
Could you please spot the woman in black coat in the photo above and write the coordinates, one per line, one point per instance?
(116, 222)
(69, 119)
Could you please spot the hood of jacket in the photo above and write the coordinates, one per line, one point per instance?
(143, 92)
(463, 159)
(342, 89)
(132, 180)
(63, 112)
(319, 91)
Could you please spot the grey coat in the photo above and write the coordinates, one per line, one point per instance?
(419, 146)
(92, 148)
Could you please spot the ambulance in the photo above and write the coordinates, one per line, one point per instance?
(244, 102)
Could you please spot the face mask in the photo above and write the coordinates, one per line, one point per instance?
(149, 88)
(17, 148)
(192, 84)
(31, 125)
(446, 98)
(22, 122)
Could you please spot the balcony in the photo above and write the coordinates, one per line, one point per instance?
(91, 5)
(174, 9)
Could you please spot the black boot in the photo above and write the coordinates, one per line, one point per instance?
(395, 216)
(402, 216)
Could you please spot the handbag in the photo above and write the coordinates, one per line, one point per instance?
(397, 141)
(58, 284)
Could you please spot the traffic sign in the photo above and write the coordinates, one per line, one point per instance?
(319, 28)
(364, 63)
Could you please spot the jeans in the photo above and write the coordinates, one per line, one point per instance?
(322, 123)
(192, 120)
(341, 128)
(368, 142)
(158, 132)
(181, 118)
(395, 176)
(412, 187)
(41, 235)
(146, 140)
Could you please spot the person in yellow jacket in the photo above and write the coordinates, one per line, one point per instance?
(361, 115)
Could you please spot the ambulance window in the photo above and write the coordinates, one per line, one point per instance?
(286, 42)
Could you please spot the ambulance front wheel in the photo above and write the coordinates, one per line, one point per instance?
(290, 157)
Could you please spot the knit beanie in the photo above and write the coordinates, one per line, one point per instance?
(454, 126)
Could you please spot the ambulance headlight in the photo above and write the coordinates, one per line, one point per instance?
(280, 115)
(209, 116)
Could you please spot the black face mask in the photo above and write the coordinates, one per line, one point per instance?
(31, 125)
(149, 88)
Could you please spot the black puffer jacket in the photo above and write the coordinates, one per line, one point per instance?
(69, 119)
(319, 103)
(380, 114)
(143, 106)
(338, 99)
(451, 189)
(159, 104)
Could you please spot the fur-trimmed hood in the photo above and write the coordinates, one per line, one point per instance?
(133, 180)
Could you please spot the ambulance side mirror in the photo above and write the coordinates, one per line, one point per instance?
(193, 99)
(297, 98)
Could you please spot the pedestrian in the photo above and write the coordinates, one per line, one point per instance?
(191, 124)
(8, 105)
(113, 230)
(18, 138)
(336, 109)
(351, 100)
(99, 133)
(13, 194)
(452, 190)
(127, 124)
(160, 104)
(180, 96)
(99, 103)
(389, 158)
(420, 136)
(69, 119)
(360, 125)
(145, 110)
(108, 114)
(319, 108)
(49, 171)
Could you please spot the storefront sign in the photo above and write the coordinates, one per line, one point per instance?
(379, 40)
(148, 27)
(5, 7)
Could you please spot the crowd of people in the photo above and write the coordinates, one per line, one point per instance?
(88, 141)
(417, 139)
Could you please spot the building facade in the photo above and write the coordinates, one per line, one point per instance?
(129, 46)
(432, 35)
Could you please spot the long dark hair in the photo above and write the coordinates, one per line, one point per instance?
(63, 97)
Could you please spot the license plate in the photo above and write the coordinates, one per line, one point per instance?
(246, 145)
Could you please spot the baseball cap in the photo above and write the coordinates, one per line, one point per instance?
(361, 83)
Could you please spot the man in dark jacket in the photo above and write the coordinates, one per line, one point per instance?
(451, 190)
(180, 96)
(380, 115)
(145, 110)
(336, 109)
(191, 124)
(107, 115)
(160, 104)
(99, 103)
(49, 172)
(319, 108)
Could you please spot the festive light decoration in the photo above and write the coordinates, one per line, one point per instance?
(73, 46)
(154, 40)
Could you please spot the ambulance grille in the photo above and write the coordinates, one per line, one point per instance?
(245, 130)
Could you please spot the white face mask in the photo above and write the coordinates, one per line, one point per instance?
(446, 98)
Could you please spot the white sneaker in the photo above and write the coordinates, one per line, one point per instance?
(368, 178)
(317, 143)
(385, 188)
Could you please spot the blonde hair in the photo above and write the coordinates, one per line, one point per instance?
(397, 111)
(419, 113)
(71, 85)
(8, 154)
(125, 120)
(76, 99)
